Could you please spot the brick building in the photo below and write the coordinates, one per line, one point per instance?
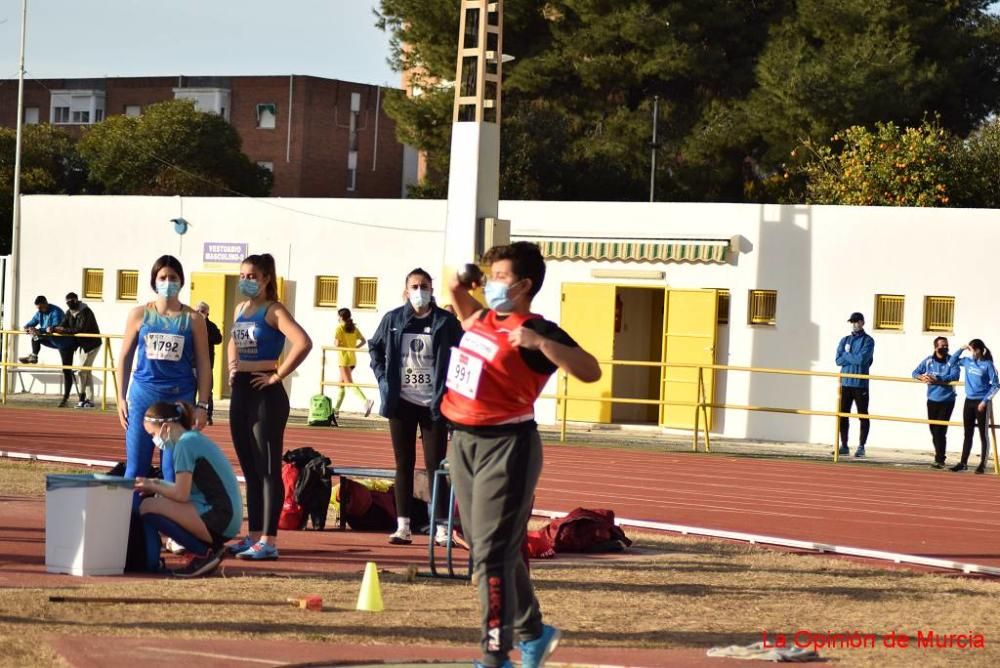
(320, 137)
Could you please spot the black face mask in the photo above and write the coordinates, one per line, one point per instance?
(72, 305)
(943, 352)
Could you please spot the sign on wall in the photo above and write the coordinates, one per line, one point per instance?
(223, 255)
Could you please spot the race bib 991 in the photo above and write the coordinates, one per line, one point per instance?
(464, 372)
(168, 347)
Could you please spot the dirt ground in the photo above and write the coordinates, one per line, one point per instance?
(671, 592)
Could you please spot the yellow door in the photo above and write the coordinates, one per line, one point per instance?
(588, 315)
(689, 333)
(211, 289)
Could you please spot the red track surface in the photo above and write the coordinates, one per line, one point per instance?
(929, 513)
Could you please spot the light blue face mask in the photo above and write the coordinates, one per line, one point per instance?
(496, 296)
(420, 298)
(161, 442)
(168, 289)
(249, 287)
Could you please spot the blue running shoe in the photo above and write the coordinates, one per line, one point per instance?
(534, 653)
(241, 546)
(259, 551)
(505, 664)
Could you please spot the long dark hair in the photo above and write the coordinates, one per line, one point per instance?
(161, 262)
(977, 344)
(180, 412)
(345, 315)
(264, 264)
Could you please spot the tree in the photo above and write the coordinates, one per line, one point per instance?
(978, 168)
(171, 149)
(887, 166)
(49, 164)
(833, 65)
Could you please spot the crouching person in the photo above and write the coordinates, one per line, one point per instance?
(202, 508)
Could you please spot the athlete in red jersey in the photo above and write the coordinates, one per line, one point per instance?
(495, 375)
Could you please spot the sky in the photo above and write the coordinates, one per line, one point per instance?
(336, 39)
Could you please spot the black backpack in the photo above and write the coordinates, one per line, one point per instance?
(313, 487)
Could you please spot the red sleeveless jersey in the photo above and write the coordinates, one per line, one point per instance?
(488, 381)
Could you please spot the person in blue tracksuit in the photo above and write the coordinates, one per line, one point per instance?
(938, 373)
(43, 327)
(855, 354)
(169, 342)
(981, 385)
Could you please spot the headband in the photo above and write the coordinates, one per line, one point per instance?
(159, 420)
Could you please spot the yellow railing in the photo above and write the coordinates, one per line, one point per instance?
(702, 405)
(324, 383)
(107, 367)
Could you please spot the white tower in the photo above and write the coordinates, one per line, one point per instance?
(474, 172)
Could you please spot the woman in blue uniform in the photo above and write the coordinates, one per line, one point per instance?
(168, 341)
(258, 406)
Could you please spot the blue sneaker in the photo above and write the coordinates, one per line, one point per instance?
(241, 546)
(505, 664)
(534, 653)
(259, 551)
(844, 450)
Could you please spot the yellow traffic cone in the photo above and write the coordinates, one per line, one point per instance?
(370, 596)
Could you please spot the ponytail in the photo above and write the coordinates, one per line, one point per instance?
(977, 344)
(345, 314)
(166, 411)
(264, 264)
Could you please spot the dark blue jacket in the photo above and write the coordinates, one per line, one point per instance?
(384, 348)
(855, 354)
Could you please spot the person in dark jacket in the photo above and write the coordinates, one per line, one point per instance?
(79, 319)
(409, 356)
(214, 339)
(939, 373)
(855, 354)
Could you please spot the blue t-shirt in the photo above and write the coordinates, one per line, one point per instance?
(256, 340)
(165, 351)
(213, 483)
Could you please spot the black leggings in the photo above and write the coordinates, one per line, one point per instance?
(403, 430)
(973, 419)
(257, 421)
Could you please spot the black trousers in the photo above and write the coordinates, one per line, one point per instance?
(434, 435)
(859, 397)
(974, 420)
(940, 410)
(257, 420)
(65, 356)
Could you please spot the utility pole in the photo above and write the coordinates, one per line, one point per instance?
(653, 146)
(15, 238)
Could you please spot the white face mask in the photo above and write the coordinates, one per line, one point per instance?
(419, 298)
(160, 441)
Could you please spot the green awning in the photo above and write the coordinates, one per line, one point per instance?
(637, 250)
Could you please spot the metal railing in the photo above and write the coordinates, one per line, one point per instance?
(8, 368)
(324, 383)
(703, 404)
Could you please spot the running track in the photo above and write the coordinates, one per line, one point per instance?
(927, 513)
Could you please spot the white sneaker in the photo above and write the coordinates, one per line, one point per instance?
(441, 536)
(401, 537)
(368, 407)
(175, 547)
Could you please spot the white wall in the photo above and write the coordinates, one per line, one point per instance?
(825, 262)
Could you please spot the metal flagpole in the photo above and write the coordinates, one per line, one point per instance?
(653, 146)
(15, 239)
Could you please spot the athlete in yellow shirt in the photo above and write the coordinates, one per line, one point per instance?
(347, 335)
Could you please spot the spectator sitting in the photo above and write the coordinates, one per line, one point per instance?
(41, 327)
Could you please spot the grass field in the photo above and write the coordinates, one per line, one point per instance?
(678, 592)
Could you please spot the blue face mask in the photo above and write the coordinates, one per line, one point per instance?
(249, 287)
(168, 289)
(496, 296)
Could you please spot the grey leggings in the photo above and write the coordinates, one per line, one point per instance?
(257, 420)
